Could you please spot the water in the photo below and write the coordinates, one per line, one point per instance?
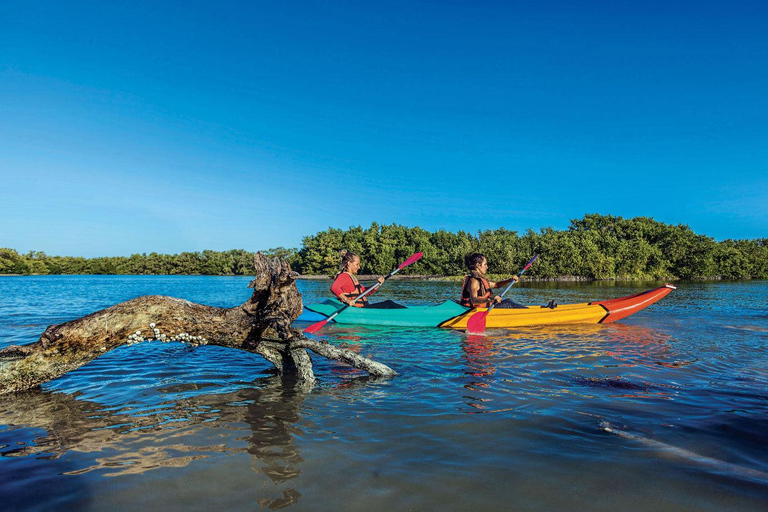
(665, 410)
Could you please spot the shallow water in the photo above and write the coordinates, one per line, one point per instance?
(665, 410)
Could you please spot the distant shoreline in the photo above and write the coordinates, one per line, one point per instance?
(371, 277)
(495, 276)
(367, 277)
(420, 277)
(594, 248)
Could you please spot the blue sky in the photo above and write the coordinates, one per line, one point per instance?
(132, 127)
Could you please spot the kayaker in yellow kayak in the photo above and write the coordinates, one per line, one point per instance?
(476, 289)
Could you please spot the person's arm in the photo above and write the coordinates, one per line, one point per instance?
(501, 284)
(474, 290)
(379, 280)
(341, 286)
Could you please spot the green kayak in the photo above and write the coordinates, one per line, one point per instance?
(412, 316)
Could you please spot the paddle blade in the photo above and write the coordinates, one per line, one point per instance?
(312, 329)
(476, 323)
(530, 263)
(411, 260)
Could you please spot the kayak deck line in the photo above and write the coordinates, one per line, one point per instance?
(451, 315)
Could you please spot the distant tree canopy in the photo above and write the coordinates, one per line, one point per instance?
(235, 262)
(594, 247)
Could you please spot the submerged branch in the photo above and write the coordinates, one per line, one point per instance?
(346, 356)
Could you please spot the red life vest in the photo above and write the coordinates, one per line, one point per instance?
(354, 293)
(484, 292)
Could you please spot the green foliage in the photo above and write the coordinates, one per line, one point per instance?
(12, 262)
(596, 247)
(234, 262)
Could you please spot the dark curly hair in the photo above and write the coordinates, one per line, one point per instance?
(473, 260)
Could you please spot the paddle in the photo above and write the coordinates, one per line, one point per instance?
(319, 325)
(476, 323)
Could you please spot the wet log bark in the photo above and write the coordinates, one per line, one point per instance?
(261, 325)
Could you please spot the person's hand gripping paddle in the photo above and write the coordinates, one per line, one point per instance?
(476, 323)
(312, 329)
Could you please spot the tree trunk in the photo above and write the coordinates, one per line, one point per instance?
(262, 325)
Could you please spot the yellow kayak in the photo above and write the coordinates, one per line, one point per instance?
(604, 312)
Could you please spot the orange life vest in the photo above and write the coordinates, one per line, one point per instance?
(484, 292)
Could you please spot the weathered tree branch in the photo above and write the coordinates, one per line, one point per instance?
(345, 356)
(262, 325)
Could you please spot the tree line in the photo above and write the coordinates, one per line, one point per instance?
(234, 262)
(594, 247)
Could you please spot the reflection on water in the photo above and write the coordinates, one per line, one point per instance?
(608, 353)
(510, 420)
(133, 440)
(73, 424)
(479, 353)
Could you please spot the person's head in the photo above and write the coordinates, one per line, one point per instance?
(350, 262)
(476, 261)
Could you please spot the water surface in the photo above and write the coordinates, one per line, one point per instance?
(665, 410)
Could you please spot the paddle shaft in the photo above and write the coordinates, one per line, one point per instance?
(513, 282)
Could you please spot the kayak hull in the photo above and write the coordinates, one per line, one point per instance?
(415, 316)
(602, 312)
(454, 316)
(535, 315)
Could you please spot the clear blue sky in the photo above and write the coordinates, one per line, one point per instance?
(180, 126)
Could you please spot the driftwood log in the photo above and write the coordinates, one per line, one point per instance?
(262, 325)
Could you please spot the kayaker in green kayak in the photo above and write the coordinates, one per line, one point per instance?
(476, 289)
(346, 287)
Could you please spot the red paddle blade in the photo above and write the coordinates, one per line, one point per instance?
(312, 329)
(530, 263)
(476, 323)
(411, 260)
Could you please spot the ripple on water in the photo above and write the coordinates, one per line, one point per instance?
(511, 419)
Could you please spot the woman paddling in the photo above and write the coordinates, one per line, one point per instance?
(476, 290)
(346, 287)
